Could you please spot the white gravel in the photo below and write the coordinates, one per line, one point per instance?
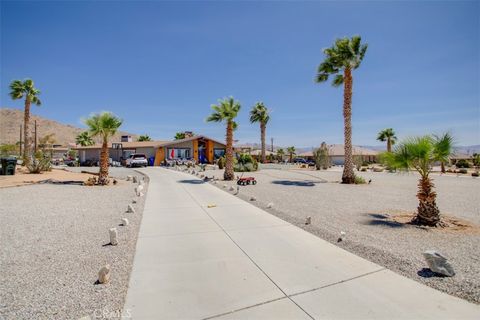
(359, 211)
(54, 241)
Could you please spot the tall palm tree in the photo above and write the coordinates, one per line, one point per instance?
(444, 149)
(260, 113)
(389, 136)
(291, 153)
(103, 125)
(280, 153)
(226, 111)
(25, 89)
(84, 139)
(179, 136)
(341, 59)
(145, 137)
(420, 154)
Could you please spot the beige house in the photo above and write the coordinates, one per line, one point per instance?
(336, 153)
(201, 148)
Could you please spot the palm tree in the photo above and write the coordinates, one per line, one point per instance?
(84, 139)
(179, 136)
(345, 56)
(226, 111)
(291, 153)
(389, 136)
(260, 113)
(27, 90)
(280, 153)
(420, 154)
(103, 125)
(144, 138)
(445, 145)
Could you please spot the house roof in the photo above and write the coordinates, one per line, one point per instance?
(147, 144)
(336, 150)
(259, 153)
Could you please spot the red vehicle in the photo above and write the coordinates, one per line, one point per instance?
(246, 180)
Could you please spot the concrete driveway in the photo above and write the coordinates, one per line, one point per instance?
(202, 253)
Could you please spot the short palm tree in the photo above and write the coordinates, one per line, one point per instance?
(145, 137)
(260, 113)
(420, 154)
(445, 145)
(389, 136)
(344, 56)
(103, 125)
(84, 139)
(291, 153)
(280, 153)
(25, 89)
(226, 111)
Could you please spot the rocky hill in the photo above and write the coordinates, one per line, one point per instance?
(11, 119)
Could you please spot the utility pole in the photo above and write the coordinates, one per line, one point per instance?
(271, 139)
(35, 136)
(20, 153)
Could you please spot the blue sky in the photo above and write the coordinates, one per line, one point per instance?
(160, 65)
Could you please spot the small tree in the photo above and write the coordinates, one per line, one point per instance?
(144, 138)
(291, 153)
(103, 125)
(358, 161)
(420, 154)
(322, 159)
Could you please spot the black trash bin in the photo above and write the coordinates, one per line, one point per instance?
(8, 166)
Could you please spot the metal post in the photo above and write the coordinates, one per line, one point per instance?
(35, 136)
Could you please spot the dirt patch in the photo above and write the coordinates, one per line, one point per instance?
(449, 223)
(57, 176)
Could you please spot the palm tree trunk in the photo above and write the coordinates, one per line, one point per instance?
(229, 174)
(348, 175)
(389, 145)
(262, 133)
(442, 164)
(428, 213)
(26, 133)
(103, 174)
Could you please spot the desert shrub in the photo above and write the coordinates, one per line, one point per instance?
(245, 163)
(462, 171)
(462, 163)
(221, 163)
(358, 162)
(475, 174)
(320, 155)
(476, 159)
(359, 180)
(39, 163)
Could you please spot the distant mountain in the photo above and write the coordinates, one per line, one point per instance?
(11, 119)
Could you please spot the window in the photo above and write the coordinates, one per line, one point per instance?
(218, 153)
(178, 153)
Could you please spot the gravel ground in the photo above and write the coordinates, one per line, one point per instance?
(53, 240)
(362, 212)
(116, 172)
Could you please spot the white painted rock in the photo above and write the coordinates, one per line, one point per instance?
(113, 236)
(129, 178)
(270, 205)
(231, 188)
(125, 222)
(342, 236)
(104, 274)
(438, 263)
(141, 194)
(252, 198)
(130, 209)
(225, 186)
(138, 189)
(135, 179)
(308, 220)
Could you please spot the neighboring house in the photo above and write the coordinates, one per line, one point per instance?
(336, 152)
(201, 148)
(460, 156)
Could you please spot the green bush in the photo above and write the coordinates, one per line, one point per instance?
(221, 163)
(245, 163)
(462, 163)
(359, 180)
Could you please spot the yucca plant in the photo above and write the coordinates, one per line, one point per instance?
(420, 153)
(226, 111)
(103, 125)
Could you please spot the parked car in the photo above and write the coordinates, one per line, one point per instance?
(137, 160)
(299, 161)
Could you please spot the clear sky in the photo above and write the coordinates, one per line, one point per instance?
(160, 65)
